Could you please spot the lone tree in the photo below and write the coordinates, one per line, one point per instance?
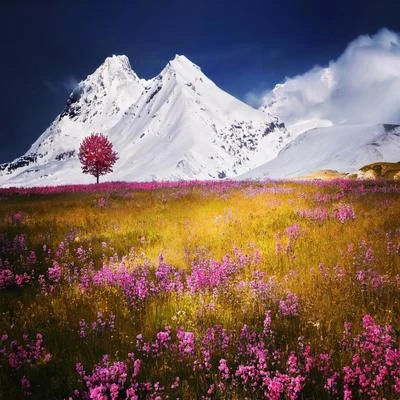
(96, 155)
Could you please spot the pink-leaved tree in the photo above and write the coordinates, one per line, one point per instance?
(96, 155)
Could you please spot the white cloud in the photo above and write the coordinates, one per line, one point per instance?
(254, 97)
(67, 84)
(361, 86)
(70, 83)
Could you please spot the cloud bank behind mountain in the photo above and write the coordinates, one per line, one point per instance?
(362, 86)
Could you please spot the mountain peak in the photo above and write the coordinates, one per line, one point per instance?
(180, 58)
(181, 69)
(178, 125)
(115, 67)
(108, 91)
(118, 60)
(180, 62)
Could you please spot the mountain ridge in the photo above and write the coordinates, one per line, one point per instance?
(177, 125)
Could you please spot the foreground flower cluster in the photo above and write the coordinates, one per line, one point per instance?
(250, 362)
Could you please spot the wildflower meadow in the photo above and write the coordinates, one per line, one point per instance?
(201, 290)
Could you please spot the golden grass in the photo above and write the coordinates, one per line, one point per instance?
(181, 222)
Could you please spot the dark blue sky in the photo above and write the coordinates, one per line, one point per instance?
(241, 45)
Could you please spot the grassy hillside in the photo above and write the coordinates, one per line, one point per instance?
(384, 170)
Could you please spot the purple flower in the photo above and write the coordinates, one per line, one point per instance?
(344, 212)
(289, 306)
(54, 272)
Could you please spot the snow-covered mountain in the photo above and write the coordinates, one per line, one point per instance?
(178, 125)
(344, 148)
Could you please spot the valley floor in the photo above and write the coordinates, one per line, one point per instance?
(201, 290)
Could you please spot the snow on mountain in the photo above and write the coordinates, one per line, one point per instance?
(178, 125)
(185, 127)
(344, 148)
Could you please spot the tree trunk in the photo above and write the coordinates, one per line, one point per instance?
(97, 172)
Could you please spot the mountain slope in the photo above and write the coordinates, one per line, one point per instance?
(344, 148)
(178, 125)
